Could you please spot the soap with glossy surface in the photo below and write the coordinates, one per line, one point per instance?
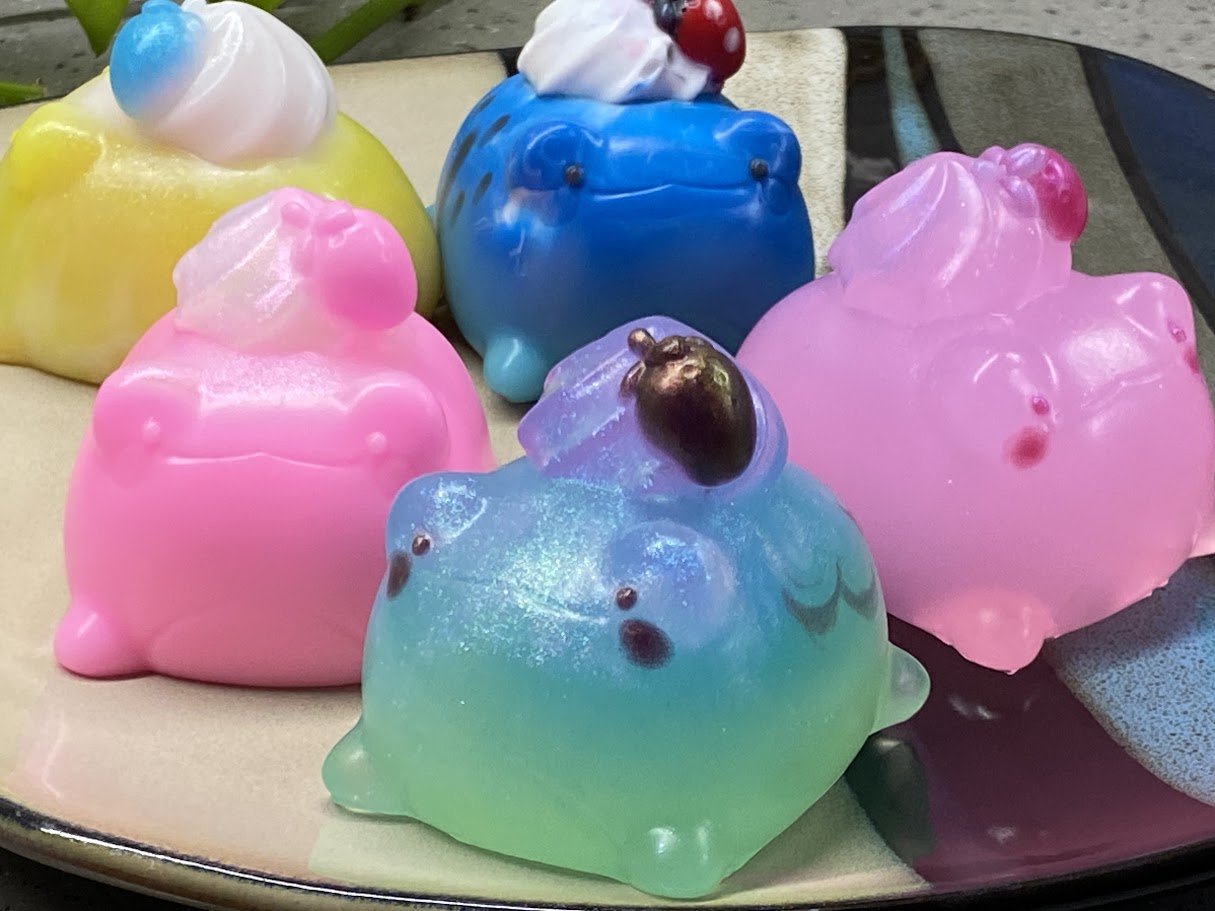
(1027, 449)
(203, 107)
(610, 178)
(225, 512)
(642, 650)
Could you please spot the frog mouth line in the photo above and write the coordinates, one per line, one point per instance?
(455, 196)
(185, 459)
(614, 192)
(629, 192)
(539, 602)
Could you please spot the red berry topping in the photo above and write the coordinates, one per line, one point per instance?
(1060, 191)
(709, 32)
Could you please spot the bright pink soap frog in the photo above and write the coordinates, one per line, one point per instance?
(1027, 449)
(226, 513)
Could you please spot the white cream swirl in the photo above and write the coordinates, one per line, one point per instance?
(608, 50)
(293, 271)
(259, 91)
(241, 284)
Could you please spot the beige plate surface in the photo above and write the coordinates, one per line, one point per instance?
(213, 794)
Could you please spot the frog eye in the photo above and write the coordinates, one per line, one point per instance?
(550, 156)
(401, 425)
(672, 586)
(135, 417)
(575, 175)
(431, 512)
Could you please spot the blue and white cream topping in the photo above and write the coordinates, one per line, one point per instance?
(225, 81)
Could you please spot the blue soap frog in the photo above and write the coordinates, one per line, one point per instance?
(560, 216)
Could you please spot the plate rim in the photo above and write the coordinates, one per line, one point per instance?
(163, 873)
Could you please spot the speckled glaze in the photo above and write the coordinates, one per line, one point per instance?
(1147, 674)
(656, 659)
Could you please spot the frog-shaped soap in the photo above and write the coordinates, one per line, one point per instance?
(225, 514)
(643, 649)
(610, 177)
(202, 108)
(1027, 449)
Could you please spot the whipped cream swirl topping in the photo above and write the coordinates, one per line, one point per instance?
(292, 271)
(608, 50)
(227, 82)
(951, 235)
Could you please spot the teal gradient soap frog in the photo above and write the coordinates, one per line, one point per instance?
(643, 650)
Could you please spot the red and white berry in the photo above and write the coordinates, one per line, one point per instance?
(710, 32)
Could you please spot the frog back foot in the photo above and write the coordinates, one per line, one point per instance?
(995, 628)
(352, 781)
(906, 690)
(89, 642)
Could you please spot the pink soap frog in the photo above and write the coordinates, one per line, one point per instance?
(1027, 449)
(226, 513)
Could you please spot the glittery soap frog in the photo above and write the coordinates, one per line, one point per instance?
(610, 177)
(225, 513)
(643, 649)
(203, 107)
(996, 421)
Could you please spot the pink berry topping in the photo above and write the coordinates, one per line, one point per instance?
(1062, 199)
(358, 261)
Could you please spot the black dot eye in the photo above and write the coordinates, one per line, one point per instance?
(575, 176)
(421, 544)
(626, 597)
(644, 644)
(759, 168)
(398, 573)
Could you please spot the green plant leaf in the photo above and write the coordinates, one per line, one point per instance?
(348, 32)
(15, 93)
(99, 19)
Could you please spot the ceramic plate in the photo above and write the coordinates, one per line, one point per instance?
(1095, 762)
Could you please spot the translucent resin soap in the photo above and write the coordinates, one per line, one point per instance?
(642, 650)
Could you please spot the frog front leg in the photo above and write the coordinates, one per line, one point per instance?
(676, 861)
(515, 368)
